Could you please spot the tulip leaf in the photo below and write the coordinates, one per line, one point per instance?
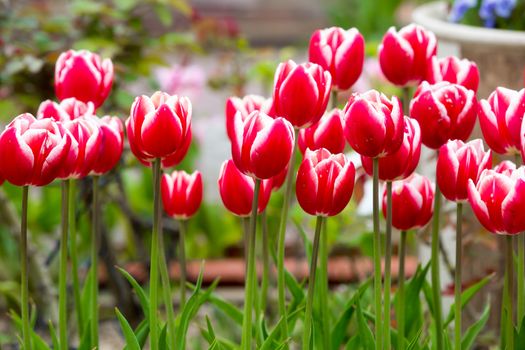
(473, 331)
(85, 297)
(131, 340)
(85, 341)
(53, 334)
(143, 298)
(413, 345)
(229, 309)
(353, 343)
(163, 338)
(38, 342)
(365, 334)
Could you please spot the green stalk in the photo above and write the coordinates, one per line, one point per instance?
(73, 255)
(323, 286)
(250, 284)
(334, 98)
(388, 263)
(183, 228)
(520, 241)
(510, 287)
(377, 256)
(457, 291)
(24, 283)
(406, 100)
(281, 281)
(307, 332)
(154, 265)
(401, 293)
(95, 238)
(62, 277)
(436, 284)
(266, 263)
(503, 313)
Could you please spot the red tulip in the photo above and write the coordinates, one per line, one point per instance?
(236, 190)
(301, 92)
(498, 199)
(278, 180)
(68, 109)
(454, 70)
(444, 111)
(412, 202)
(179, 155)
(458, 163)
(244, 106)
(403, 162)
(32, 152)
(500, 118)
(111, 145)
(373, 124)
(181, 193)
(339, 51)
(326, 133)
(83, 75)
(159, 126)
(405, 56)
(325, 182)
(262, 146)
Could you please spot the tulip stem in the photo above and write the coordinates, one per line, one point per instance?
(266, 263)
(401, 293)
(521, 277)
(165, 277)
(307, 333)
(24, 284)
(183, 228)
(377, 255)
(281, 280)
(510, 286)
(323, 286)
(94, 263)
(250, 284)
(406, 100)
(334, 97)
(74, 257)
(62, 277)
(434, 261)
(388, 261)
(154, 268)
(458, 285)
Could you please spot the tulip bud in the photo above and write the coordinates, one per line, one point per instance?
(452, 69)
(405, 56)
(32, 152)
(325, 182)
(444, 111)
(236, 190)
(500, 119)
(412, 202)
(68, 109)
(498, 199)
(111, 145)
(339, 51)
(262, 146)
(403, 162)
(181, 193)
(159, 126)
(373, 124)
(83, 75)
(301, 92)
(326, 133)
(245, 107)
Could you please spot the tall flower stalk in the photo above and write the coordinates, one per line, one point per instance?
(95, 239)
(388, 263)
(457, 278)
(377, 256)
(434, 267)
(509, 273)
(62, 277)
(154, 264)
(74, 257)
(24, 281)
(400, 314)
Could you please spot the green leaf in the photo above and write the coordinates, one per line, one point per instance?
(269, 342)
(353, 343)
(163, 340)
(85, 298)
(365, 334)
(143, 298)
(85, 341)
(473, 331)
(229, 309)
(413, 309)
(38, 342)
(427, 293)
(132, 342)
(520, 335)
(53, 334)
(414, 343)
(142, 332)
(164, 14)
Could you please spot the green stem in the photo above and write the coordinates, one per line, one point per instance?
(281, 280)
(521, 277)
(95, 238)
(307, 332)
(406, 100)
(457, 291)
(62, 277)
(401, 293)
(166, 284)
(510, 287)
(266, 263)
(323, 286)
(24, 283)
(334, 98)
(154, 264)
(250, 286)
(377, 256)
(388, 263)
(503, 313)
(436, 284)
(74, 257)
(183, 228)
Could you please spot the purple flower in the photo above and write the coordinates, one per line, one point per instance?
(459, 9)
(491, 8)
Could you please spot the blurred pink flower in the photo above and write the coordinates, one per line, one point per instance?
(371, 76)
(186, 80)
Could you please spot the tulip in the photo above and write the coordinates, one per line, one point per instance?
(339, 51)
(459, 162)
(373, 124)
(454, 70)
(159, 126)
(500, 119)
(444, 111)
(326, 133)
(262, 146)
(405, 56)
(245, 107)
(403, 162)
(111, 145)
(181, 193)
(83, 75)
(301, 92)
(67, 110)
(236, 190)
(33, 152)
(278, 180)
